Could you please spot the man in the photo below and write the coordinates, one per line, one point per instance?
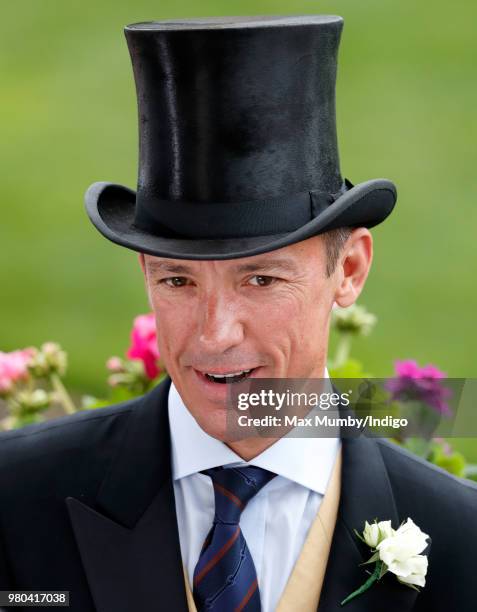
(247, 237)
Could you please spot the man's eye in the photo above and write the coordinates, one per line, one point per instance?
(262, 281)
(175, 281)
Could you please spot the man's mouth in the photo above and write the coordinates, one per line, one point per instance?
(229, 377)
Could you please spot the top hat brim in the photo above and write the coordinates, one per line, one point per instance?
(111, 208)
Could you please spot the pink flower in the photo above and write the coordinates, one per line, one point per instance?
(114, 364)
(144, 344)
(422, 384)
(5, 385)
(14, 367)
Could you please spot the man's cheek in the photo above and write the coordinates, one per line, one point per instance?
(174, 331)
(273, 318)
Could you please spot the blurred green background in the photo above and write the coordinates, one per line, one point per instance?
(406, 100)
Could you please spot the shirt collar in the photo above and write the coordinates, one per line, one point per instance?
(307, 461)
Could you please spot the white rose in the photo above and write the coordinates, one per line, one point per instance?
(376, 532)
(416, 538)
(401, 553)
(371, 534)
(418, 572)
(385, 530)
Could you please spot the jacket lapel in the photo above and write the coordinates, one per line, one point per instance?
(365, 494)
(129, 543)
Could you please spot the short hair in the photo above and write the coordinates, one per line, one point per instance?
(334, 242)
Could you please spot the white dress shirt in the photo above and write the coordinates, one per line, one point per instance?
(275, 522)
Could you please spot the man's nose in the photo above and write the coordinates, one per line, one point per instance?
(220, 325)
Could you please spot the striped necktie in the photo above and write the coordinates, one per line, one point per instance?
(225, 579)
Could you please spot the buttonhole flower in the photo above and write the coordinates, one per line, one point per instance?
(395, 551)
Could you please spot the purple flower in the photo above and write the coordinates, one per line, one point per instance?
(413, 383)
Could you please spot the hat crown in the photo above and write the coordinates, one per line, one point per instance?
(236, 109)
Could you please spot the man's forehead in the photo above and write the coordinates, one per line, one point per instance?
(289, 258)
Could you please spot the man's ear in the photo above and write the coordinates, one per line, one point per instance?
(353, 266)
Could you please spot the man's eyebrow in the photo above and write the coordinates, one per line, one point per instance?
(268, 265)
(168, 266)
(264, 265)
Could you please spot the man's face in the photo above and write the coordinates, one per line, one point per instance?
(264, 316)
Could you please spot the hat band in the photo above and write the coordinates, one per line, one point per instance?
(214, 220)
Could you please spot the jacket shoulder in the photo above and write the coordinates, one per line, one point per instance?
(410, 474)
(77, 450)
(59, 433)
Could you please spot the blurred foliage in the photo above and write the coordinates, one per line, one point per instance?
(407, 399)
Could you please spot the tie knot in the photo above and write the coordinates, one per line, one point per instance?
(234, 487)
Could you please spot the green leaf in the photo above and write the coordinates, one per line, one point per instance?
(351, 368)
(374, 558)
(453, 463)
(471, 471)
(359, 536)
(364, 587)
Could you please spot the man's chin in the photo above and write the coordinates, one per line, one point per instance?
(214, 423)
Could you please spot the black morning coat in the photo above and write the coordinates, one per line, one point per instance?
(87, 506)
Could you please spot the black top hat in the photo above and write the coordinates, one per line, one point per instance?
(237, 140)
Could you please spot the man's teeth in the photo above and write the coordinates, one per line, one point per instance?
(231, 375)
